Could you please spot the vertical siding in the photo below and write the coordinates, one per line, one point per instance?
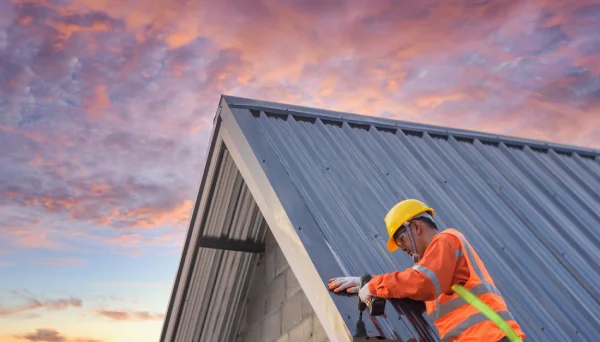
(219, 278)
(532, 216)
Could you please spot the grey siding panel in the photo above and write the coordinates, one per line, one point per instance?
(532, 216)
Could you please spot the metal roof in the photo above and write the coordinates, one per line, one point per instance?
(323, 181)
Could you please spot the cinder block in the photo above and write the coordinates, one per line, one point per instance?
(256, 307)
(275, 293)
(259, 281)
(319, 334)
(271, 329)
(270, 267)
(270, 241)
(281, 263)
(291, 283)
(307, 309)
(285, 338)
(254, 332)
(302, 332)
(291, 312)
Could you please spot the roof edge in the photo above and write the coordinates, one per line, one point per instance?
(364, 119)
(281, 226)
(174, 305)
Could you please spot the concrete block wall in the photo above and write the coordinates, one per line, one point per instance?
(277, 309)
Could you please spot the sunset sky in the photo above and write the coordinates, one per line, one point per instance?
(106, 107)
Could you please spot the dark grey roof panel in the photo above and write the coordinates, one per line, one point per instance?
(531, 215)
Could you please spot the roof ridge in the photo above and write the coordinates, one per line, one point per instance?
(355, 118)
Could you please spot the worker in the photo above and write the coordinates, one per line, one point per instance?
(442, 259)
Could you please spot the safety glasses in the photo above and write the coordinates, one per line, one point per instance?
(401, 234)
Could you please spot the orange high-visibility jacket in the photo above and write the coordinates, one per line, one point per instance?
(449, 260)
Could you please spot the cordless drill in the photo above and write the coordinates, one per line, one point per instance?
(376, 305)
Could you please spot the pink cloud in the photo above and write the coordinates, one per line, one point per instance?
(32, 238)
(130, 315)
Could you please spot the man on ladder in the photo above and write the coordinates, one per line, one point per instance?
(460, 295)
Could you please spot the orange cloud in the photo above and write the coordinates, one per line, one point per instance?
(128, 240)
(51, 335)
(130, 315)
(152, 216)
(98, 102)
(33, 303)
(39, 161)
(32, 238)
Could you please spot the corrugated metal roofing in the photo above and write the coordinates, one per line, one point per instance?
(530, 208)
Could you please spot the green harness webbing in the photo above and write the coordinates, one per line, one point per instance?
(472, 299)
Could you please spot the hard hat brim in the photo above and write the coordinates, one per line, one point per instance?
(391, 245)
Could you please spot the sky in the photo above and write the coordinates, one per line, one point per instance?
(106, 107)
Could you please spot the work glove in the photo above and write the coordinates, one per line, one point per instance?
(365, 294)
(350, 284)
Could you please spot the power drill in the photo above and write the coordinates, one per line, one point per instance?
(376, 305)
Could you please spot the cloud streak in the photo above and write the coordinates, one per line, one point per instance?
(32, 303)
(51, 335)
(136, 316)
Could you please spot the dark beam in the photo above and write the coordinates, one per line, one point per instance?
(231, 244)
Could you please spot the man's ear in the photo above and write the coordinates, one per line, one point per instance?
(418, 227)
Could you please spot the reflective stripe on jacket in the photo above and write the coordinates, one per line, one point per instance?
(454, 318)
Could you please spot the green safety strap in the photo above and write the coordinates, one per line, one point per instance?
(470, 298)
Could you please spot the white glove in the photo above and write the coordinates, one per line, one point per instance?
(365, 294)
(350, 284)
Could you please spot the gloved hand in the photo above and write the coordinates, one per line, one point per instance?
(365, 294)
(350, 284)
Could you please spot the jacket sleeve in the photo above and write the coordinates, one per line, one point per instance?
(426, 280)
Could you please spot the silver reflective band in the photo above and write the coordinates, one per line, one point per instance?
(471, 257)
(471, 321)
(458, 253)
(435, 315)
(443, 309)
(431, 275)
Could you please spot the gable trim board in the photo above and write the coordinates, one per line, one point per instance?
(304, 231)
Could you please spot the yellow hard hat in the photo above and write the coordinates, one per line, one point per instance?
(400, 214)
